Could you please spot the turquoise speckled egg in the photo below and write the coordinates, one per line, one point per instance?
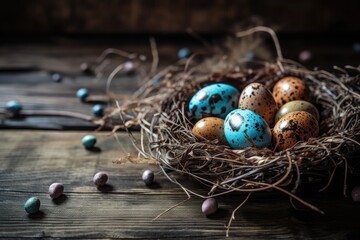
(89, 141)
(32, 205)
(215, 100)
(245, 128)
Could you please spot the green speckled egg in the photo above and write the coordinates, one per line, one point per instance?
(32, 205)
(298, 105)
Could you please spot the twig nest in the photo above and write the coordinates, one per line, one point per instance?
(355, 194)
(100, 179)
(32, 205)
(148, 177)
(209, 206)
(56, 190)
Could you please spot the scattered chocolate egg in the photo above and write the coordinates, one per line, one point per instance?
(215, 100)
(184, 53)
(56, 190)
(148, 177)
(290, 89)
(57, 77)
(294, 127)
(245, 128)
(209, 206)
(82, 94)
(32, 205)
(297, 105)
(257, 98)
(210, 128)
(100, 179)
(98, 110)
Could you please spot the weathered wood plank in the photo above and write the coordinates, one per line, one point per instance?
(31, 160)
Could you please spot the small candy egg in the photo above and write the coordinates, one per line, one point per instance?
(100, 179)
(209, 206)
(56, 190)
(129, 67)
(215, 100)
(294, 127)
(184, 53)
(85, 68)
(356, 47)
(305, 56)
(355, 194)
(290, 89)
(32, 205)
(148, 177)
(13, 106)
(82, 94)
(89, 141)
(257, 98)
(297, 105)
(56, 77)
(210, 128)
(244, 128)
(98, 110)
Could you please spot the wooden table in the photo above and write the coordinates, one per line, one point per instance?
(36, 152)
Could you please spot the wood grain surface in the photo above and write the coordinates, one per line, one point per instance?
(31, 158)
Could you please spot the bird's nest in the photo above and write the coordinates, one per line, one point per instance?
(160, 108)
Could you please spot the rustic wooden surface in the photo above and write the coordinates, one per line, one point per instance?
(30, 160)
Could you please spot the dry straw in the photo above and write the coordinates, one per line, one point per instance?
(159, 107)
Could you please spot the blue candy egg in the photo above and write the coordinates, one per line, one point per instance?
(82, 94)
(32, 205)
(215, 100)
(13, 106)
(89, 141)
(98, 110)
(184, 53)
(245, 128)
(56, 77)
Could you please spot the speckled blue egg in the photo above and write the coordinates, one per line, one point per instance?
(215, 100)
(245, 128)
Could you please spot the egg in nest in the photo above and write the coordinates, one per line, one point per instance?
(257, 98)
(294, 127)
(210, 128)
(289, 89)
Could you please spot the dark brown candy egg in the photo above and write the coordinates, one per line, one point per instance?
(294, 127)
(290, 89)
(210, 128)
(257, 98)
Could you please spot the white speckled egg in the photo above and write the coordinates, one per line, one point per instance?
(245, 128)
(257, 98)
(215, 100)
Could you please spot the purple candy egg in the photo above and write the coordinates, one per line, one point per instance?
(100, 179)
(56, 190)
(355, 194)
(209, 206)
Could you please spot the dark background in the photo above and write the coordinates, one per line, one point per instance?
(163, 16)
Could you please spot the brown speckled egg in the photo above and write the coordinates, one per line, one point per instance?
(297, 105)
(290, 89)
(257, 98)
(210, 128)
(294, 127)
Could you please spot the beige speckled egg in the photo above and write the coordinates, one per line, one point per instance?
(294, 127)
(210, 128)
(257, 98)
(289, 89)
(297, 105)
